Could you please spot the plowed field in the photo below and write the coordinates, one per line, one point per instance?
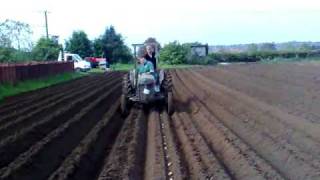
(233, 122)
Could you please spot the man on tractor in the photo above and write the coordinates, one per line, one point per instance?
(151, 55)
(146, 67)
(142, 84)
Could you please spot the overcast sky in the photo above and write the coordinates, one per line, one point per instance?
(207, 21)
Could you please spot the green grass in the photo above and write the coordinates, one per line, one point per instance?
(121, 67)
(113, 67)
(95, 70)
(8, 89)
(290, 60)
(176, 66)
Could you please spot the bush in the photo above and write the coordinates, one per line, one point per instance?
(6, 54)
(206, 60)
(260, 55)
(173, 53)
(13, 55)
(45, 49)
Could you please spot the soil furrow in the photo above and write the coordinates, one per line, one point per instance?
(70, 164)
(43, 157)
(270, 146)
(126, 160)
(276, 92)
(36, 105)
(155, 157)
(28, 98)
(176, 167)
(250, 121)
(196, 167)
(18, 142)
(41, 112)
(239, 161)
(299, 139)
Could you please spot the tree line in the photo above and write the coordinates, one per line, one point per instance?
(177, 53)
(16, 45)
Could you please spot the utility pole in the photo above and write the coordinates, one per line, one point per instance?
(46, 20)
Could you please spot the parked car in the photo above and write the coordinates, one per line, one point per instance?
(104, 65)
(79, 63)
(95, 61)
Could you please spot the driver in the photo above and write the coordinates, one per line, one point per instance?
(150, 55)
(147, 67)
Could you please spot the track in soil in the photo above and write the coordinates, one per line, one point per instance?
(225, 126)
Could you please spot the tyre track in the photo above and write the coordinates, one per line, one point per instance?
(155, 165)
(176, 169)
(126, 160)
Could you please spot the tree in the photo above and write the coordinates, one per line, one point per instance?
(15, 34)
(173, 53)
(15, 41)
(305, 47)
(46, 49)
(113, 46)
(98, 48)
(289, 46)
(79, 44)
(268, 47)
(6, 54)
(252, 48)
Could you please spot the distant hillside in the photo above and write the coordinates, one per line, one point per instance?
(287, 46)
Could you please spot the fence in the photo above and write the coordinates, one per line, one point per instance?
(13, 73)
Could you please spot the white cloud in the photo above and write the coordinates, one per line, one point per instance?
(213, 21)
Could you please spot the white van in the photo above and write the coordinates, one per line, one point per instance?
(79, 63)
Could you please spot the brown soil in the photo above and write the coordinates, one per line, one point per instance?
(233, 122)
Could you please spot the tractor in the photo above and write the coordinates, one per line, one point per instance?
(141, 89)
